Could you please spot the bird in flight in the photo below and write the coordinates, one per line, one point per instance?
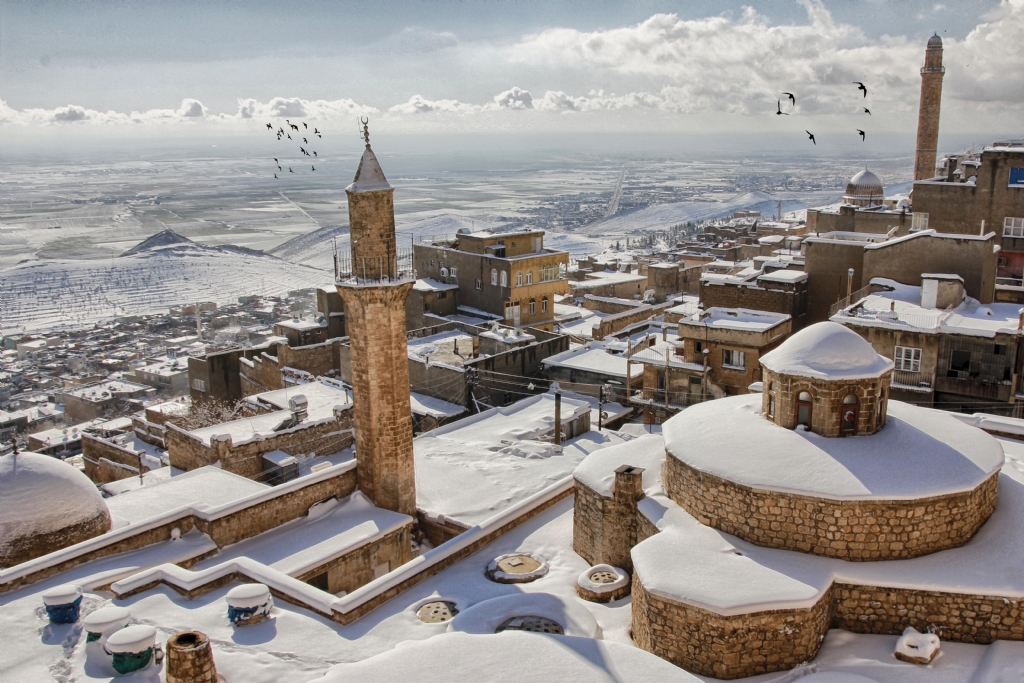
(314, 152)
(278, 168)
(319, 136)
(779, 112)
(313, 167)
(270, 127)
(810, 136)
(275, 159)
(294, 127)
(289, 136)
(867, 111)
(861, 134)
(305, 140)
(792, 99)
(861, 87)
(315, 131)
(290, 170)
(275, 175)
(302, 149)
(304, 125)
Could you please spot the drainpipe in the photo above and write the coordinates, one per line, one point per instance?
(849, 285)
(558, 414)
(666, 376)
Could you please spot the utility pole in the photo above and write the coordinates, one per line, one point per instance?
(849, 285)
(558, 413)
(600, 408)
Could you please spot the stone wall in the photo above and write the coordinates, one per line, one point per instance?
(223, 530)
(850, 530)
(186, 452)
(614, 323)
(827, 404)
(710, 644)
(774, 297)
(95, 451)
(260, 373)
(356, 568)
(605, 528)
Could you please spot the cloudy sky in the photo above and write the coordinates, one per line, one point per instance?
(428, 66)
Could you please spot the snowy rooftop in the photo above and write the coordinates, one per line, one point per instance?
(827, 351)
(592, 357)
(321, 395)
(920, 453)
(450, 348)
(102, 391)
(431, 285)
(206, 486)
(743, 319)
(789, 276)
(302, 324)
(472, 469)
(900, 308)
(428, 405)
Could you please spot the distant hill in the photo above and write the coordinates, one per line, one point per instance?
(162, 271)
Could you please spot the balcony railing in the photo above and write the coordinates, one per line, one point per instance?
(915, 381)
(376, 271)
(661, 397)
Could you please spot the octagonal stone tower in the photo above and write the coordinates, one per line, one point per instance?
(828, 379)
(374, 290)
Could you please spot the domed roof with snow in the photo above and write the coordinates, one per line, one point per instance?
(45, 504)
(827, 351)
(865, 187)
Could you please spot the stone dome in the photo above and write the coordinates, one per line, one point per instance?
(864, 189)
(45, 504)
(827, 351)
(935, 41)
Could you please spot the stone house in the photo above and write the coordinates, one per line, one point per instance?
(950, 351)
(773, 291)
(511, 275)
(91, 401)
(713, 353)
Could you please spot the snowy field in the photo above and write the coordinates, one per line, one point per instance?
(64, 224)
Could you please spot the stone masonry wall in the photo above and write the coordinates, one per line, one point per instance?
(188, 453)
(261, 373)
(850, 530)
(604, 529)
(93, 449)
(355, 569)
(710, 644)
(779, 298)
(827, 404)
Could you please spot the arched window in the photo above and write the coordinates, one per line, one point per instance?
(504, 279)
(544, 305)
(771, 399)
(519, 278)
(880, 411)
(533, 307)
(529, 277)
(804, 402)
(848, 419)
(494, 276)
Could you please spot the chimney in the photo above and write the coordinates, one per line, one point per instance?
(558, 413)
(628, 483)
(190, 658)
(298, 405)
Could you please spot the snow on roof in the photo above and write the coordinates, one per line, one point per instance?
(826, 350)
(920, 453)
(332, 529)
(41, 495)
(321, 398)
(791, 276)
(597, 471)
(434, 407)
(102, 391)
(604, 277)
(430, 285)
(511, 654)
(900, 309)
(206, 486)
(369, 175)
(743, 319)
(592, 357)
(470, 470)
(302, 324)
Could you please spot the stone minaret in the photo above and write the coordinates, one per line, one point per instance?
(928, 115)
(374, 292)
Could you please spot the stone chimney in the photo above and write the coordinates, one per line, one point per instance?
(629, 484)
(299, 407)
(941, 291)
(190, 658)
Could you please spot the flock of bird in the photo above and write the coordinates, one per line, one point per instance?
(810, 136)
(281, 134)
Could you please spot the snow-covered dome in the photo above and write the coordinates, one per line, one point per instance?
(827, 351)
(45, 504)
(935, 41)
(864, 189)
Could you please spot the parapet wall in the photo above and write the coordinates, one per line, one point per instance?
(858, 530)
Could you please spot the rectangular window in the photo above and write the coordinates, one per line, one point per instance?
(1017, 177)
(960, 361)
(1013, 227)
(533, 307)
(479, 284)
(919, 222)
(698, 347)
(453, 272)
(734, 359)
(199, 385)
(908, 359)
(544, 305)
(529, 277)
(549, 273)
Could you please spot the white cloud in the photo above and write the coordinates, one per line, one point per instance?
(70, 113)
(192, 109)
(514, 98)
(417, 104)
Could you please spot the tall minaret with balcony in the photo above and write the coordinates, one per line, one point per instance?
(928, 114)
(374, 290)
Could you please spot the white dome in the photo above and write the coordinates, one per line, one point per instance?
(826, 351)
(45, 503)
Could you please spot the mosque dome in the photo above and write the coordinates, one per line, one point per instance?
(935, 42)
(864, 189)
(826, 350)
(45, 505)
